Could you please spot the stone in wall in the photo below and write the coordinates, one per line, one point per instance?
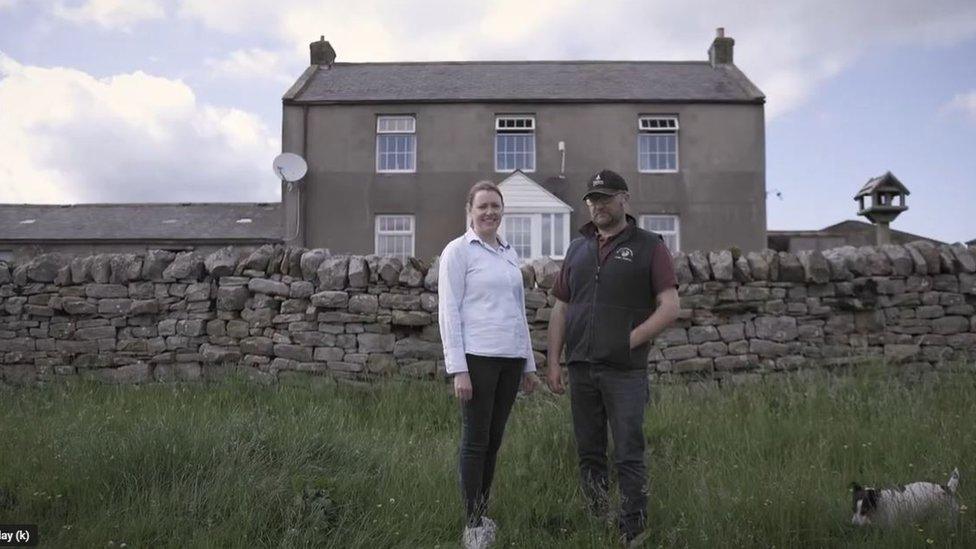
(700, 268)
(125, 267)
(186, 265)
(222, 262)
(430, 280)
(333, 273)
(546, 270)
(681, 269)
(758, 265)
(815, 267)
(154, 264)
(790, 269)
(413, 273)
(721, 263)
(929, 253)
(388, 270)
(258, 260)
(358, 272)
(45, 267)
(311, 261)
(741, 272)
(963, 260)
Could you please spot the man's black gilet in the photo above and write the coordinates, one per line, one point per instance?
(608, 301)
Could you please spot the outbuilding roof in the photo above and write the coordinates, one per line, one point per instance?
(197, 222)
(524, 82)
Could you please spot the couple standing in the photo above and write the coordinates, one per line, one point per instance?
(615, 292)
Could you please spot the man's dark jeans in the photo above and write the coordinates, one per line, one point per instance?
(494, 383)
(600, 396)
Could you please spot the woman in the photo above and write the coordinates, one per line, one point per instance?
(487, 348)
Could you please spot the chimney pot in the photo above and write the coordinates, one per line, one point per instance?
(322, 52)
(719, 32)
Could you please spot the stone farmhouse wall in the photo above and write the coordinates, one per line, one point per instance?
(294, 315)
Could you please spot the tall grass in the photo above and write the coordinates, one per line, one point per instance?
(237, 465)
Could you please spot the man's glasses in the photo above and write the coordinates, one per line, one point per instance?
(600, 199)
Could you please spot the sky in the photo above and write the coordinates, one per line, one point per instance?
(180, 100)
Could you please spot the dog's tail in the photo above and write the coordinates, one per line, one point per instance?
(953, 481)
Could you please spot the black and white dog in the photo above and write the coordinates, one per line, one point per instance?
(891, 506)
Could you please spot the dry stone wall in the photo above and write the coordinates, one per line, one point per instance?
(297, 315)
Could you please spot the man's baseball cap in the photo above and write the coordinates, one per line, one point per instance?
(606, 182)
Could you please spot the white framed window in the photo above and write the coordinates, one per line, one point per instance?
(657, 144)
(515, 143)
(395, 236)
(553, 237)
(668, 226)
(396, 144)
(518, 234)
(537, 234)
(6, 255)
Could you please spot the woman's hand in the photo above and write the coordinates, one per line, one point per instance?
(462, 386)
(529, 382)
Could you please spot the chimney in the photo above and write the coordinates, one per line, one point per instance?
(721, 51)
(322, 52)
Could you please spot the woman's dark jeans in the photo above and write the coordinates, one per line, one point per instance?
(494, 382)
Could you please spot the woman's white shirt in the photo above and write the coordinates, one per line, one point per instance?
(481, 303)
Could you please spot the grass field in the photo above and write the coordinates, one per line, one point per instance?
(236, 465)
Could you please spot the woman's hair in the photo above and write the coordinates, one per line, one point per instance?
(484, 185)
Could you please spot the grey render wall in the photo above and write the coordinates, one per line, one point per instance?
(718, 192)
(301, 316)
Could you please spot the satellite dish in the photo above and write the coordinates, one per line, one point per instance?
(290, 167)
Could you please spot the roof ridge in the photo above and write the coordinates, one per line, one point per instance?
(525, 62)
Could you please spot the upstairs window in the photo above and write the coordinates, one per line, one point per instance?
(515, 143)
(657, 144)
(396, 144)
(665, 225)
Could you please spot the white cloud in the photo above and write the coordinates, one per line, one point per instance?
(789, 49)
(252, 63)
(127, 138)
(964, 103)
(110, 14)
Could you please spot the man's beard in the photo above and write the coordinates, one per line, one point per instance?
(610, 220)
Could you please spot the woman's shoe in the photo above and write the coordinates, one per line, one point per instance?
(477, 537)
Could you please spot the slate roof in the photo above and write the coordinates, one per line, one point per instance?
(888, 181)
(198, 222)
(856, 225)
(524, 81)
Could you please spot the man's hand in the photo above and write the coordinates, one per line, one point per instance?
(635, 339)
(529, 382)
(554, 377)
(462, 386)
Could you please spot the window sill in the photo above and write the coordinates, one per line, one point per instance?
(657, 171)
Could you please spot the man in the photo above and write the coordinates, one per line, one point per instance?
(616, 291)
